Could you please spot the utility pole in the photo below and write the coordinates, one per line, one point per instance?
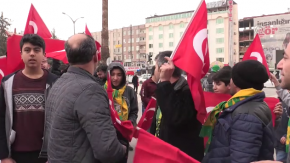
(105, 32)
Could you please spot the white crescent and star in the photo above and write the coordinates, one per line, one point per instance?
(1, 73)
(258, 56)
(33, 24)
(197, 43)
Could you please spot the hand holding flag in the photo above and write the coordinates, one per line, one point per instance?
(147, 117)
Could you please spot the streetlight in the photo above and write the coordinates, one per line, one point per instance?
(74, 21)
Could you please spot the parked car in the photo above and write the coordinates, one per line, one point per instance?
(144, 77)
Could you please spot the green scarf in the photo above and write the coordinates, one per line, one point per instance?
(119, 99)
(210, 122)
(288, 137)
(158, 121)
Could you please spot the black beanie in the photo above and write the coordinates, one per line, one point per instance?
(249, 74)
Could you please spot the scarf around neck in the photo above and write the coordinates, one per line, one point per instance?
(208, 127)
(119, 99)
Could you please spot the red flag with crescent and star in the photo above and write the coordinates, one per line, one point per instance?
(35, 24)
(87, 32)
(126, 128)
(256, 52)
(192, 56)
(146, 119)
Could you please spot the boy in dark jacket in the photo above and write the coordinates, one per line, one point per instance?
(175, 119)
(22, 101)
(241, 129)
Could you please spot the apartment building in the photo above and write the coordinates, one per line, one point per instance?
(163, 32)
(128, 45)
(274, 32)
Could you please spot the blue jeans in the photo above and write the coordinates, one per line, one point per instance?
(281, 155)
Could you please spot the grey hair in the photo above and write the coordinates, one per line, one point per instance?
(83, 53)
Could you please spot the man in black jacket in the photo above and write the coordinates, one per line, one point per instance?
(175, 119)
(135, 81)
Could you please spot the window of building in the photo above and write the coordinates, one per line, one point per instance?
(151, 53)
(118, 49)
(160, 36)
(150, 45)
(137, 31)
(160, 28)
(124, 49)
(137, 48)
(160, 45)
(114, 42)
(142, 38)
(129, 40)
(127, 64)
(219, 50)
(171, 26)
(138, 56)
(114, 58)
(150, 37)
(170, 35)
(220, 59)
(124, 33)
(150, 28)
(219, 20)
(220, 40)
(220, 30)
(137, 39)
(124, 41)
(182, 25)
(118, 42)
(132, 40)
(170, 44)
(119, 58)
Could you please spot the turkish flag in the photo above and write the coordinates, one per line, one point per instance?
(98, 45)
(271, 102)
(59, 55)
(256, 52)
(2, 67)
(35, 24)
(152, 149)
(14, 61)
(124, 127)
(191, 55)
(147, 117)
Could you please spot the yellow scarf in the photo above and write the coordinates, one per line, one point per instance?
(118, 98)
(210, 122)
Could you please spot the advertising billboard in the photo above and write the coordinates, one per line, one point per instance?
(274, 32)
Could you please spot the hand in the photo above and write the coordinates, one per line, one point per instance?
(166, 70)
(278, 110)
(274, 80)
(8, 160)
(283, 140)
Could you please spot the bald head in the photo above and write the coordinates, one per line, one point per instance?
(80, 49)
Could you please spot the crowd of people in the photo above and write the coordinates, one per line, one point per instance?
(63, 116)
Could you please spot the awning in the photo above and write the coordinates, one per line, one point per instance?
(130, 73)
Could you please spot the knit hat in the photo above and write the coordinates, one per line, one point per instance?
(249, 74)
(215, 68)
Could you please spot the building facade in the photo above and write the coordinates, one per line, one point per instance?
(274, 33)
(127, 44)
(163, 32)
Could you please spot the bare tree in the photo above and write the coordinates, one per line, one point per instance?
(53, 34)
(105, 33)
(4, 24)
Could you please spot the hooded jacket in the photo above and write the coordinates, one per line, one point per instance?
(7, 135)
(129, 94)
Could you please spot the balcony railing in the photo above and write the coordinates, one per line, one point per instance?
(141, 43)
(246, 38)
(243, 49)
(142, 50)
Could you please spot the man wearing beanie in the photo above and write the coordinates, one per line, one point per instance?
(241, 129)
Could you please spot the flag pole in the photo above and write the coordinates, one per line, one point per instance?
(193, 16)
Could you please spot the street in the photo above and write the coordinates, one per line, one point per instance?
(270, 92)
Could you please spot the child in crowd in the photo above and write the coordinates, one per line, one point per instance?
(221, 81)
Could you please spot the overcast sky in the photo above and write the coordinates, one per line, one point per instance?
(122, 13)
